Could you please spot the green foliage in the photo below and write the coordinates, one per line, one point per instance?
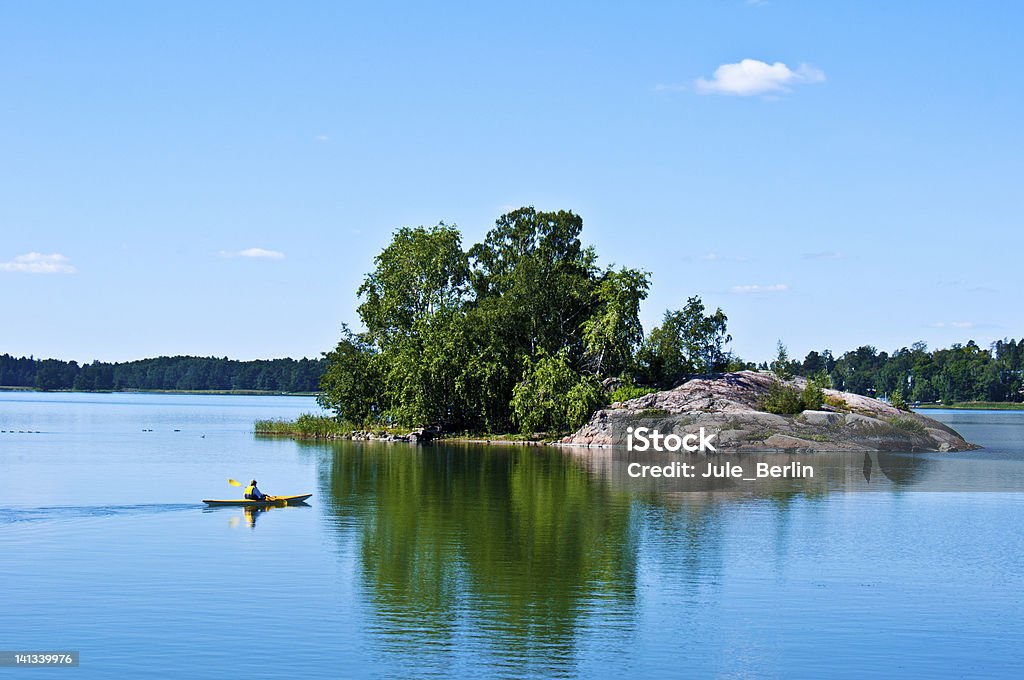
(552, 397)
(857, 371)
(687, 341)
(705, 336)
(837, 402)
(982, 405)
(164, 373)
(628, 391)
(782, 399)
(306, 425)
(420, 273)
(815, 364)
(961, 373)
(785, 399)
(896, 400)
(781, 366)
(613, 332)
(821, 380)
(451, 335)
(907, 424)
(534, 282)
(735, 364)
(811, 396)
(347, 384)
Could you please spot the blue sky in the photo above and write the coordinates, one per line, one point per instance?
(216, 178)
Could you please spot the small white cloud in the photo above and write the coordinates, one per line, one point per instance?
(757, 288)
(824, 255)
(715, 257)
(756, 3)
(953, 324)
(750, 77)
(37, 263)
(322, 138)
(262, 252)
(255, 253)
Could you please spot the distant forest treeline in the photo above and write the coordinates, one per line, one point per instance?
(163, 373)
(958, 374)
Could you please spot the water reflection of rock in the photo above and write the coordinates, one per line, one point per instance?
(528, 547)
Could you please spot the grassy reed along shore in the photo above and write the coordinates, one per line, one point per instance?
(307, 426)
(310, 426)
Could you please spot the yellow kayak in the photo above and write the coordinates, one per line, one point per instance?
(270, 502)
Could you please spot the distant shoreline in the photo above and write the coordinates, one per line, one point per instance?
(977, 406)
(961, 406)
(250, 393)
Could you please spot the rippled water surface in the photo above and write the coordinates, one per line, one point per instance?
(490, 561)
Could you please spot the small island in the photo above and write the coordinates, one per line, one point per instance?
(738, 408)
(526, 337)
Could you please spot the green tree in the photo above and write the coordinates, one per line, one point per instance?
(413, 304)
(897, 400)
(782, 366)
(857, 371)
(613, 332)
(687, 341)
(349, 386)
(705, 336)
(533, 277)
(552, 397)
(420, 273)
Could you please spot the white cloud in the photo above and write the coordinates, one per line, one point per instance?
(953, 324)
(37, 263)
(750, 77)
(261, 253)
(322, 138)
(824, 255)
(714, 257)
(757, 288)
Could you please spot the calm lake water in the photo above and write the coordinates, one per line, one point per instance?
(478, 561)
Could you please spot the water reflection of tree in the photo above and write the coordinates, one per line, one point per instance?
(523, 551)
(517, 544)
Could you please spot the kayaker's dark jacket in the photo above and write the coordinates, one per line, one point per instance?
(253, 494)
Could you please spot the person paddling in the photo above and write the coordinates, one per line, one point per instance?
(254, 494)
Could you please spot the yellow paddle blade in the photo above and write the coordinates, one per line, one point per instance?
(234, 483)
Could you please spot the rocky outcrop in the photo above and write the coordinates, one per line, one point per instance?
(730, 405)
(416, 436)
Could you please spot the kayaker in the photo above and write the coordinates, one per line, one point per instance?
(252, 493)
